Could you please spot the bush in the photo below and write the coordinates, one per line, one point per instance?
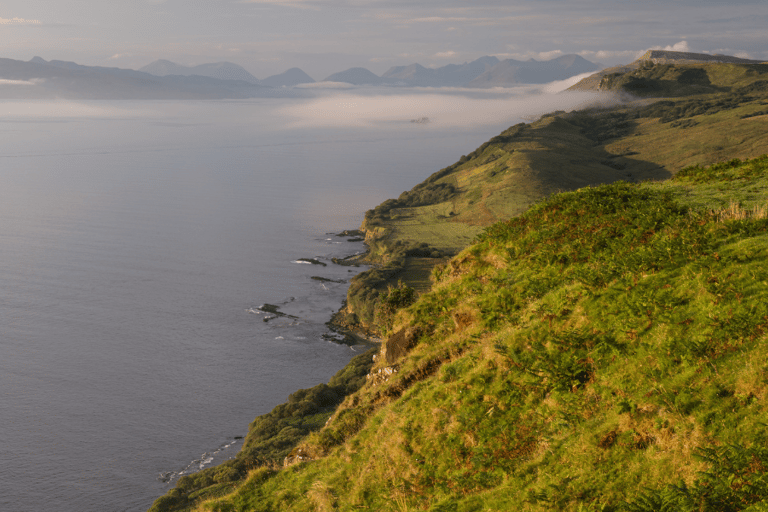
(394, 299)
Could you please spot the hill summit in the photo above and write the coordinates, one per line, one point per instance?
(668, 57)
(596, 82)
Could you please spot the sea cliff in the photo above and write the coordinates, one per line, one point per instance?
(574, 318)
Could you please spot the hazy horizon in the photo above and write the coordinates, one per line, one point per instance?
(321, 37)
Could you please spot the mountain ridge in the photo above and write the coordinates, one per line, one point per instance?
(218, 70)
(484, 72)
(40, 79)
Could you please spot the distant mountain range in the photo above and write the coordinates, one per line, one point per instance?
(483, 72)
(164, 79)
(227, 71)
(41, 79)
(219, 70)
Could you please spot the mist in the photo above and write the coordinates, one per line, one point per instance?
(18, 110)
(443, 108)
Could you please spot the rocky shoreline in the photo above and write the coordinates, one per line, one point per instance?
(272, 436)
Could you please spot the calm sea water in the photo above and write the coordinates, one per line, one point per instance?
(136, 239)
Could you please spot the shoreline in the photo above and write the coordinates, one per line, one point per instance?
(188, 487)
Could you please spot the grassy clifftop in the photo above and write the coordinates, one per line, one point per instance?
(605, 350)
(715, 112)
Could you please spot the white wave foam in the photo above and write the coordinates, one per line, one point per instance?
(198, 464)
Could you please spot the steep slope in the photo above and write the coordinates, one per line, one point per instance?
(598, 351)
(606, 350)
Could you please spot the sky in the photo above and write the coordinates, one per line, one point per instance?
(325, 36)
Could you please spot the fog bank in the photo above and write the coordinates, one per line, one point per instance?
(445, 108)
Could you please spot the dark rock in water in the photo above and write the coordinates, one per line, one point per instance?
(339, 338)
(312, 261)
(326, 280)
(349, 261)
(400, 343)
(355, 239)
(275, 311)
(269, 308)
(351, 232)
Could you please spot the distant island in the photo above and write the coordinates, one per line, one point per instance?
(41, 79)
(163, 79)
(480, 73)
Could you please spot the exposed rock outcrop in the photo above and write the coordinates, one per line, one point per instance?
(400, 343)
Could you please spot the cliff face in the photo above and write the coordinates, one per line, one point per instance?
(668, 57)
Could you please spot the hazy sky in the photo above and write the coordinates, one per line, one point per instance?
(325, 36)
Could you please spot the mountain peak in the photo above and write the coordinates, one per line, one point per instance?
(288, 78)
(356, 76)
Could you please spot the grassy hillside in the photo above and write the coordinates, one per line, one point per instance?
(605, 350)
(602, 350)
(715, 112)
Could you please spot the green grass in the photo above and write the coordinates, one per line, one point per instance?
(506, 175)
(588, 347)
(614, 359)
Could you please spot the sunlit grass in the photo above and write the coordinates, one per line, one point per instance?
(600, 349)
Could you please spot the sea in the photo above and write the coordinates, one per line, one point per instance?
(138, 240)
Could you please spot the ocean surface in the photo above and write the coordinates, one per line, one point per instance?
(138, 239)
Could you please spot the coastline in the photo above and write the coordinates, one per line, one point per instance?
(306, 409)
(461, 327)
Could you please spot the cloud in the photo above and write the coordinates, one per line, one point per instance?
(548, 55)
(561, 85)
(18, 21)
(299, 4)
(682, 46)
(58, 109)
(736, 53)
(472, 20)
(445, 55)
(612, 56)
(35, 81)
